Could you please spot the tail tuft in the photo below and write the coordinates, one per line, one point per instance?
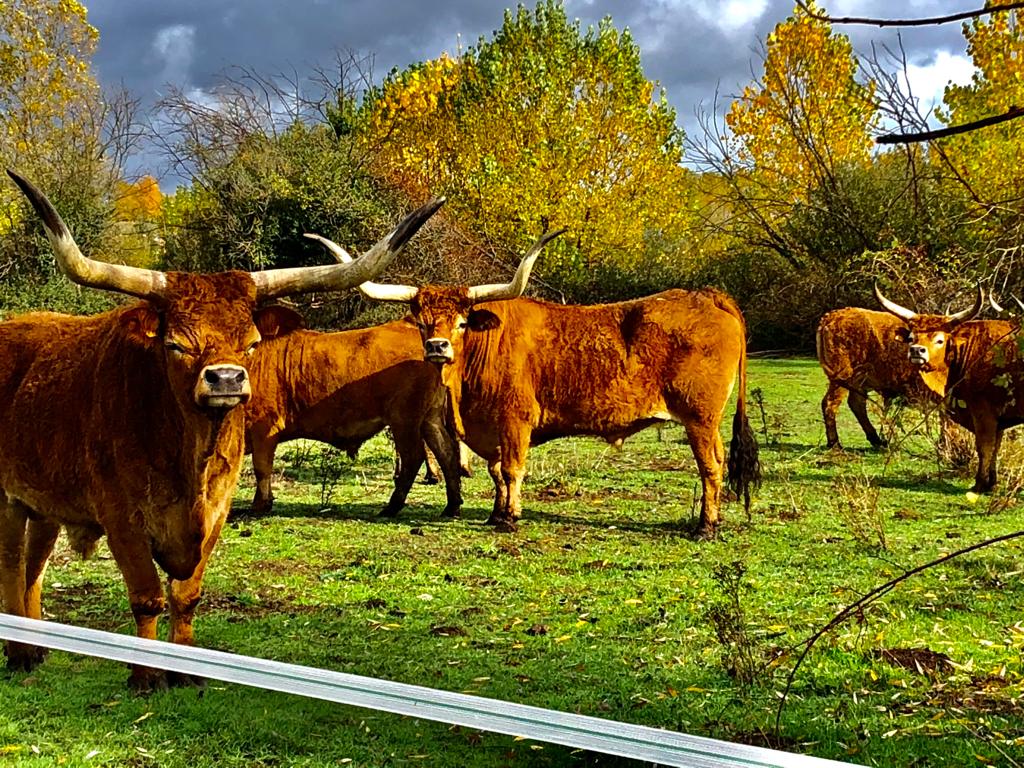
(744, 464)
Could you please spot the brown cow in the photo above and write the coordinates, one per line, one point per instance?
(859, 352)
(343, 388)
(521, 372)
(125, 424)
(976, 365)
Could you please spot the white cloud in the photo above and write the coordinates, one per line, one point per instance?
(175, 46)
(928, 79)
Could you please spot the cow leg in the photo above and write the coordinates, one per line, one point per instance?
(263, 466)
(829, 408)
(42, 535)
(13, 524)
(183, 597)
(515, 444)
(445, 448)
(858, 403)
(465, 460)
(708, 450)
(409, 446)
(145, 595)
(500, 490)
(987, 437)
(432, 473)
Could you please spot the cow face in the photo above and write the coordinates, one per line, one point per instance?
(444, 315)
(926, 340)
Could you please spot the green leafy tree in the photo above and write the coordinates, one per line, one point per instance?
(543, 125)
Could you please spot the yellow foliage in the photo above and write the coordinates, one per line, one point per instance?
(140, 201)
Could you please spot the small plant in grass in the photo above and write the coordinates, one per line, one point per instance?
(955, 449)
(742, 655)
(331, 465)
(856, 503)
(772, 427)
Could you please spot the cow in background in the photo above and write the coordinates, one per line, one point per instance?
(343, 388)
(860, 352)
(976, 366)
(521, 372)
(126, 424)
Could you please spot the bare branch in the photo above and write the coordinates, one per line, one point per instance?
(906, 138)
(960, 16)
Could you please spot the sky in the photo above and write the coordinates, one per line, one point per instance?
(694, 48)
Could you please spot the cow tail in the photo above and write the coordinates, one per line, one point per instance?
(744, 463)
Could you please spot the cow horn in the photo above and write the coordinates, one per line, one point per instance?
(993, 303)
(968, 314)
(378, 291)
(889, 306)
(144, 283)
(335, 277)
(501, 291)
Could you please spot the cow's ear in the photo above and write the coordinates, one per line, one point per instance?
(482, 320)
(276, 320)
(903, 335)
(143, 325)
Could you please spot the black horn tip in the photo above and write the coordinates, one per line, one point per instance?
(43, 206)
(411, 224)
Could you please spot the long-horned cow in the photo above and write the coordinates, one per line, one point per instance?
(127, 423)
(343, 388)
(521, 372)
(860, 352)
(976, 366)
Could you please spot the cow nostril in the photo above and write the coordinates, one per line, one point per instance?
(212, 376)
(239, 377)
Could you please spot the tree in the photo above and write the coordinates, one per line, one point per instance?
(542, 125)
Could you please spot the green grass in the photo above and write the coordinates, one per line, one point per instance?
(600, 605)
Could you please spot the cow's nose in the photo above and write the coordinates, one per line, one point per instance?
(225, 379)
(917, 351)
(438, 349)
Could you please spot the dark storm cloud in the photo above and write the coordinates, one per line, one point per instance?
(692, 47)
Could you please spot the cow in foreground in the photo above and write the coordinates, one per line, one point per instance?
(976, 366)
(127, 424)
(521, 372)
(343, 388)
(860, 352)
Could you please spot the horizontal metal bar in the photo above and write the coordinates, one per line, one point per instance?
(608, 736)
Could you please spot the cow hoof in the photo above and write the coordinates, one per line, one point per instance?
(452, 512)
(503, 524)
(707, 533)
(430, 480)
(465, 472)
(24, 658)
(880, 444)
(389, 511)
(144, 681)
(182, 680)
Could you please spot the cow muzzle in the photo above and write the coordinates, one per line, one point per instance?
(438, 350)
(223, 386)
(917, 354)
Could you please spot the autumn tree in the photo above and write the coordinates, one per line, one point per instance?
(543, 125)
(57, 128)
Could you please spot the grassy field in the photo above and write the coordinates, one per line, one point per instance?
(602, 605)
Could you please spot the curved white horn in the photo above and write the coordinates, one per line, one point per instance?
(993, 303)
(502, 291)
(378, 291)
(889, 306)
(336, 277)
(969, 314)
(144, 283)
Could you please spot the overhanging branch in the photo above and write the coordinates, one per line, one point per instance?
(960, 16)
(908, 138)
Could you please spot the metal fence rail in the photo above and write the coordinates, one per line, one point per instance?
(592, 733)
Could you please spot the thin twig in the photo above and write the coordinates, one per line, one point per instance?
(960, 16)
(907, 138)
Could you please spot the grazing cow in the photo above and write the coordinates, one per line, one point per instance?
(977, 366)
(859, 352)
(521, 372)
(343, 388)
(126, 424)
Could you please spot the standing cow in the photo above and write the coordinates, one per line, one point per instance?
(860, 352)
(126, 423)
(343, 388)
(976, 366)
(521, 372)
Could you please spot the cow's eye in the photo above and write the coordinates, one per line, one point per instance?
(938, 342)
(175, 348)
(252, 348)
(464, 324)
